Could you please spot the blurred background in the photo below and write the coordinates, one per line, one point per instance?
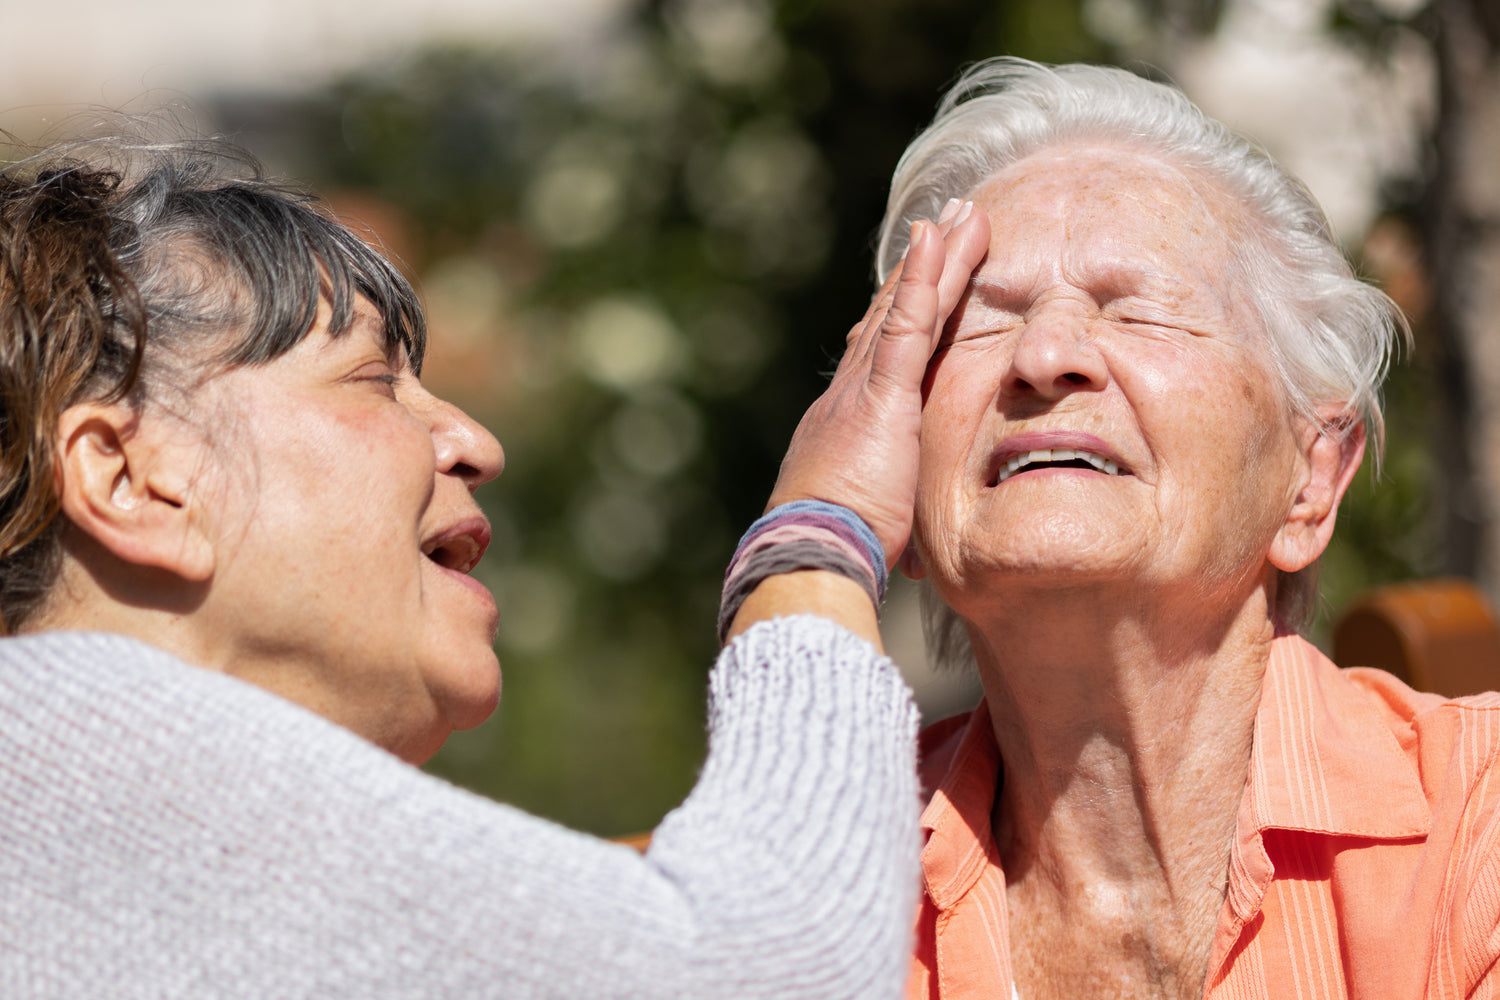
(642, 229)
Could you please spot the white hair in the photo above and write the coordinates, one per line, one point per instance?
(1330, 335)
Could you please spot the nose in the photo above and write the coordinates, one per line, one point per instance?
(464, 448)
(1055, 354)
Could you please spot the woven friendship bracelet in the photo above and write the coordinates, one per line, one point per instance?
(804, 534)
(819, 513)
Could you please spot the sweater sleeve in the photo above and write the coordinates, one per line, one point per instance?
(168, 832)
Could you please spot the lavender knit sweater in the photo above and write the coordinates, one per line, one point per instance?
(168, 832)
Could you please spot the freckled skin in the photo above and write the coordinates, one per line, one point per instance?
(1120, 624)
(1102, 307)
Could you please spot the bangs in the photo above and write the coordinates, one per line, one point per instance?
(277, 256)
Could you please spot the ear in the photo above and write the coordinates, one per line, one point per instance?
(1332, 451)
(127, 483)
(910, 563)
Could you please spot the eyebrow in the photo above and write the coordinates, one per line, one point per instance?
(993, 291)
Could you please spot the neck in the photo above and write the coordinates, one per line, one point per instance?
(1125, 734)
(97, 593)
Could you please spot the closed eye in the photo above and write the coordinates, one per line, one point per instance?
(379, 376)
(1146, 320)
(989, 326)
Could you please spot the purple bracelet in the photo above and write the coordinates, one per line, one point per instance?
(804, 534)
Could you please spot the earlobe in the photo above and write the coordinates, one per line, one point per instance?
(127, 484)
(910, 563)
(1333, 454)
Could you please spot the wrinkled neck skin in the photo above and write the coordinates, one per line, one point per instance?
(1124, 719)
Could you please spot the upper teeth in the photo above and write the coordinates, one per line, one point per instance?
(1104, 465)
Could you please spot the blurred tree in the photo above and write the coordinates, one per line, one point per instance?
(1460, 197)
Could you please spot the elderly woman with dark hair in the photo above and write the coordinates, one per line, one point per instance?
(1139, 424)
(235, 539)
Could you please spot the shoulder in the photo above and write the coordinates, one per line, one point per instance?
(75, 702)
(1429, 728)
(1454, 745)
(70, 652)
(1381, 755)
(99, 728)
(102, 669)
(1436, 731)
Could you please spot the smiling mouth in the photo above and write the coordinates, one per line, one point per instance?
(1055, 458)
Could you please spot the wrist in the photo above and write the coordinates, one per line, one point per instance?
(810, 592)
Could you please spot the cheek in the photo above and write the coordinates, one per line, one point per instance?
(1231, 446)
(948, 434)
(382, 451)
(958, 391)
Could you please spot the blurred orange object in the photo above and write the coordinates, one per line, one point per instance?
(1436, 635)
(640, 841)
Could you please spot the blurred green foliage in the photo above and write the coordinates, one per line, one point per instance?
(639, 259)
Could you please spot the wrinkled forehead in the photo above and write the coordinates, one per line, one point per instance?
(1139, 202)
(1106, 215)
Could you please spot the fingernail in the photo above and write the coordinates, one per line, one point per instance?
(963, 213)
(948, 210)
(911, 237)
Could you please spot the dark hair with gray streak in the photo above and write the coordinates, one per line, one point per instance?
(1329, 335)
(131, 265)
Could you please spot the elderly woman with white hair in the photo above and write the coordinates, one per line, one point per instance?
(1138, 427)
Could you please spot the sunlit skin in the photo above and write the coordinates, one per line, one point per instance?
(306, 524)
(336, 474)
(1120, 622)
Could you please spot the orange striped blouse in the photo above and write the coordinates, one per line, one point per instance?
(1365, 859)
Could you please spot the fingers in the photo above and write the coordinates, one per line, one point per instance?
(858, 444)
(880, 302)
(914, 299)
(933, 279)
(964, 238)
(967, 243)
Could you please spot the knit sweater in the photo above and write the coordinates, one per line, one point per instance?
(170, 832)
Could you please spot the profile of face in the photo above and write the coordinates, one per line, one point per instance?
(335, 495)
(1102, 410)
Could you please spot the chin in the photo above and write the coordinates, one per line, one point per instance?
(419, 750)
(468, 689)
(457, 710)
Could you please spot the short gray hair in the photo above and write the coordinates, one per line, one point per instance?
(1331, 335)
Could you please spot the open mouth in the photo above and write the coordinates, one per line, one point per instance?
(459, 548)
(1054, 458)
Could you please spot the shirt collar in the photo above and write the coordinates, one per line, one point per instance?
(959, 844)
(1324, 760)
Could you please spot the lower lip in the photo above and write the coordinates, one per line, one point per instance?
(465, 580)
(480, 593)
(1032, 473)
